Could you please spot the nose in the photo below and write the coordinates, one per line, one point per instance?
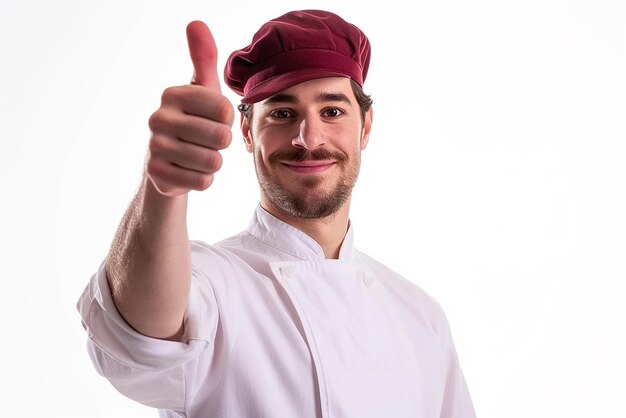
(310, 135)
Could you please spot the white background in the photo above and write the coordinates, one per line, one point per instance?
(494, 179)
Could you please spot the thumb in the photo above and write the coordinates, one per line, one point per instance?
(203, 54)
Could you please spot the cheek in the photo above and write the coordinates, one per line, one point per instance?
(261, 152)
(266, 142)
(256, 143)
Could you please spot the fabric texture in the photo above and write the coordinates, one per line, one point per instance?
(273, 329)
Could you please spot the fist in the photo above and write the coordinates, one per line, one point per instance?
(192, 124)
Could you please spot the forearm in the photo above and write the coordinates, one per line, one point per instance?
(149, 263)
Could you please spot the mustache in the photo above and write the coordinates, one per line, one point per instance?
(299, 154)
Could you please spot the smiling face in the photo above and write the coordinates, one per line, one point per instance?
(307, 142)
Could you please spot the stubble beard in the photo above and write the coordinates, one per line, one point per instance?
(309, 202)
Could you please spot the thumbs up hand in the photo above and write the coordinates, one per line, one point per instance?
(192, 124)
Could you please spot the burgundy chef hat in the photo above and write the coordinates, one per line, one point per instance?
(294, 48)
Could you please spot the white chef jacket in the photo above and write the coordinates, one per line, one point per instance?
(273, 329)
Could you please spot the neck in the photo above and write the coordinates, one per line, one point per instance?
(328, 232)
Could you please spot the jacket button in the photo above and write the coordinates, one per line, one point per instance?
(288, 271)
(368, 280)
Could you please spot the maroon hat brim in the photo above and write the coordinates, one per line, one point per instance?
(295, 67)
(275, 85)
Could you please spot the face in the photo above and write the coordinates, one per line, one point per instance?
(307, 142)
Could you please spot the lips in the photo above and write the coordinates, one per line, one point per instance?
(308, 166)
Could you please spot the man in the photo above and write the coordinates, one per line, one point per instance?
(286, 319)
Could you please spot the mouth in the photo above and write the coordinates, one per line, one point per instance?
(308, 166)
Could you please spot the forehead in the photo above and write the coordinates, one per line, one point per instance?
(317, 90)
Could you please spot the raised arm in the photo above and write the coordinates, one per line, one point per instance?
(149, 264)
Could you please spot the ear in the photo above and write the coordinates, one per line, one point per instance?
(367, 127)
(245, 131)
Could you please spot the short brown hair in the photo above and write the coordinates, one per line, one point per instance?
(364, 100)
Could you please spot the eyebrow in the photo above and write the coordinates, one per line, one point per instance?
(321, 98)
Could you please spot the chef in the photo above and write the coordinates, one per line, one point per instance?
(287, 318)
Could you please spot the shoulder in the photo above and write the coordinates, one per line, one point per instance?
(389, 277)
(410, 297)
(225, 252)
(232, 261)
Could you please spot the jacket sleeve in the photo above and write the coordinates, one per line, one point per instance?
(145, 369)
(457, 402)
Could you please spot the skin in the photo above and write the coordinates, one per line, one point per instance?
(315, 119)
(149, 263)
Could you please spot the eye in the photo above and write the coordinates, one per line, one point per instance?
(281, 114)
(332, 112)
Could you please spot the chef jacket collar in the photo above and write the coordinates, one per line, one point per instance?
(285, 237)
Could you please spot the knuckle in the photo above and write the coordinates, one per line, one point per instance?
(157, 145)
(214, 161)
(170, 94)
(158, 120)
(223, 136)
(154, 169)
(226, 113)
(204, 181)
